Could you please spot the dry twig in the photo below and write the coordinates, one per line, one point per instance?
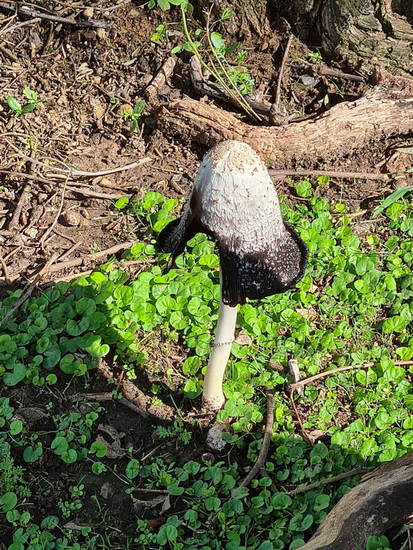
(282, 68)
(325, 373)
(5, 269)
(19, 25)
(59, 211)
(333, 479)
(35, 13)
(265, 442)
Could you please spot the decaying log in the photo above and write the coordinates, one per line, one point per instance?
(384, 111)
(362, 32)
(381, 501)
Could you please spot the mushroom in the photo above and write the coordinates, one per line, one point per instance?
(234, 201)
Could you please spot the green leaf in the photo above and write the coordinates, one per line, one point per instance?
(121, 203)
(388, 201)
(98, 448)
(281, 501)
(14, 104)
(217, 40)
(8, 501)
(50, 522)
(132, 469)
(164, 4)
(16, 427)
(31, 454)
(303, 189)
(167, 533)
(18, 374)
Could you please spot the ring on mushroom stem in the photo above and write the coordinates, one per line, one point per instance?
(234, 201)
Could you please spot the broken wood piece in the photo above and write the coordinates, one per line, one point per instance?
(160, 79)
(382, 500)
(348, 126)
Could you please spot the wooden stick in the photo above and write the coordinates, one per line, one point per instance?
(5, 269)
(59, 211)
(325, 373)
(74, 172)
(333, 479)
(281, 72)
(269, 425)
(19, 25)
(30, 12)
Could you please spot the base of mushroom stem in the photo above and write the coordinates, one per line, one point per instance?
(214, 404)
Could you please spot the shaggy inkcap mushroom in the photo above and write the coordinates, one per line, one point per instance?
(234, 201)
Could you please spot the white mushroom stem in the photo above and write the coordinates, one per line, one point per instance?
(213, 395)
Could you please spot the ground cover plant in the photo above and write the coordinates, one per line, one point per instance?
(353, 307)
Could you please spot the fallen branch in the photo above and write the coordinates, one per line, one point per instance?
(107, 396)
(96, 194)
(31, 12)
(269, 425)
(71, 171)
(5, 269)
(120, 264)
(84, 260)
(347, 127)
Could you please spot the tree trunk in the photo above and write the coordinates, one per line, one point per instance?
(382, 112)
(383, 500)
(361, 32)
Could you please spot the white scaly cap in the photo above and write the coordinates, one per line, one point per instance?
(235, 202)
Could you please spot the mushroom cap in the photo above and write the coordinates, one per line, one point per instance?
(234, 201)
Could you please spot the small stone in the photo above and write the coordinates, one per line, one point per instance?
(214, 439)
(70, 218)
(101, 33)
(88, 13)
(308, 80)
(31, 232)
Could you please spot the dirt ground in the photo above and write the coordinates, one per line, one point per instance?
(86, 78)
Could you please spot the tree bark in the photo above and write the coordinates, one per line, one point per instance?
(361, 32)
(383, 500)
(384, 111)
